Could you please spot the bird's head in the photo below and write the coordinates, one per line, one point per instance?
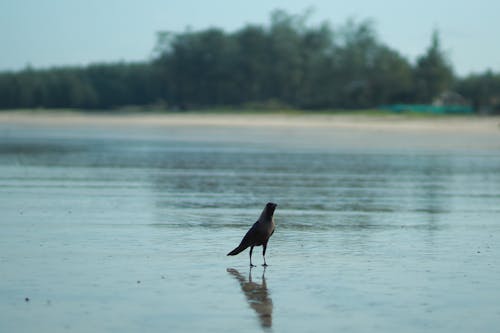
(271, 206)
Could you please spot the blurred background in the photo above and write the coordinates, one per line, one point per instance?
(164, 55)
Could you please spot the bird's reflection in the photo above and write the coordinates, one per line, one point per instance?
(257, 296)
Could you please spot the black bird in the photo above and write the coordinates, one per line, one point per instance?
(259, 233)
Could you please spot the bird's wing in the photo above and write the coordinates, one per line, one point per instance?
(249, 237)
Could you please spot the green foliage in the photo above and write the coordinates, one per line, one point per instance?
(93, 87)
(433, 73)
(302, 66)
(483, 90)
(287, 64)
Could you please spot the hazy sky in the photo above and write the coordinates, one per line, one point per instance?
(46, 33)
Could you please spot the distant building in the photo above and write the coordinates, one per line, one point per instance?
(450, 98)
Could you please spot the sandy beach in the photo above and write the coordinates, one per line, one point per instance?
(321, 131)
(464, 124)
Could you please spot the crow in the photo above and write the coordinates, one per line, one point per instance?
(258, 234)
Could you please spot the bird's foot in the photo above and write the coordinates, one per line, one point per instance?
(252, 265)
(265, 265)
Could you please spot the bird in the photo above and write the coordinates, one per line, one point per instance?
(258, 234)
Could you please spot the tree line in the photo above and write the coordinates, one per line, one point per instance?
(287, 63)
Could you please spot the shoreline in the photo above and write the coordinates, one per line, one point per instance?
(389, 122)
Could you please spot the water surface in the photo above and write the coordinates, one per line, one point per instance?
(127, 229)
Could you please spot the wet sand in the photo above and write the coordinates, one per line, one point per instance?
(122, 223)
(320, 131)
(462, 124)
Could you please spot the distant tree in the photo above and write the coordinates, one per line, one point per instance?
(317, 48)
(251, 72)
(287, 62)
(433, 72)
(366, 72)
(200, 67)
(9, 91)
(483, 90)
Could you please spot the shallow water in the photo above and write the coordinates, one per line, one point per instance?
(121, 229)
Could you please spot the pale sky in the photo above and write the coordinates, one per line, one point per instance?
(45, 33)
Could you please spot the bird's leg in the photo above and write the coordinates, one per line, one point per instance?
(251, 249)
(264, 246)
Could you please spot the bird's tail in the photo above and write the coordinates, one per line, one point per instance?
(237, 250)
